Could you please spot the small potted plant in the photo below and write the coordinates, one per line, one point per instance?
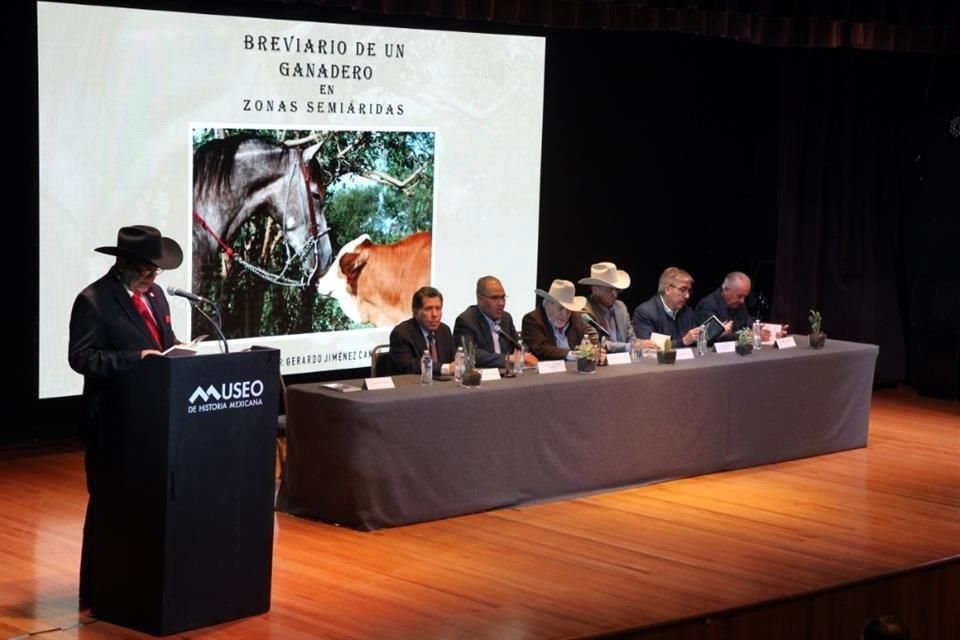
(667, 355)
(587, 354)
(744, 341)
(817, 337)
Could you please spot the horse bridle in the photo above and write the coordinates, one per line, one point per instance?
(311, 245)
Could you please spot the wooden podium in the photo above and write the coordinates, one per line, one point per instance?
(184, 526)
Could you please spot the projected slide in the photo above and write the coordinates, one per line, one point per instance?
(314, 174)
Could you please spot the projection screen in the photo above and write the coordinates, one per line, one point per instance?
(287, 159)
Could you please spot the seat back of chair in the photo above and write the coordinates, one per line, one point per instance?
(380, 361)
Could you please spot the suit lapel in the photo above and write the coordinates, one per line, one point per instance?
(123, 299)
(484, 330)
(418, 340)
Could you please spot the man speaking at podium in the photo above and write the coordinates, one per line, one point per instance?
(118, 320)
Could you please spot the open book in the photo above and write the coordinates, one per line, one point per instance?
(714, 328)
(184, 348)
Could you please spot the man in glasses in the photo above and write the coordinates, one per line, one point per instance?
(667, 312)
(490, 326)
(116, 322)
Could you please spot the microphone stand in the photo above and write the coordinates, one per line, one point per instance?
(599, 328)
(215, 323)
(506, 335)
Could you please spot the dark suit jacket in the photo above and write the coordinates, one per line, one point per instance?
(407, 345)
(538, 335)
(107, 335)
(650, 316)
(472, 323)
(713, 305)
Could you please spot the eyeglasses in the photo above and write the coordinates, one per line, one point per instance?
(146, 269)
(494, 298)
(682, 290)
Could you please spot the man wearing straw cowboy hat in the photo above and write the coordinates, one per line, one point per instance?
(553, 329)
(118, 320)
(606, 282)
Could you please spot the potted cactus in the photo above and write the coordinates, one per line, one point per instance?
(587, 355)
(817, 337)
(667, 355)
(744, 341)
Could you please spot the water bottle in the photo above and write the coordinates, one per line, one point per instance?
(459, 364)
(426, 368)
(519, 356)
(702, 341)
(757, 334)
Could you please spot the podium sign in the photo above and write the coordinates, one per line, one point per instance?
(183, 531)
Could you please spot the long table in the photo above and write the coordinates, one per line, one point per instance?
(383, 458)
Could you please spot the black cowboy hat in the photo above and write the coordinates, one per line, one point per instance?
(145, 244)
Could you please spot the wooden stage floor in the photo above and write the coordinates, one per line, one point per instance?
(621, 560)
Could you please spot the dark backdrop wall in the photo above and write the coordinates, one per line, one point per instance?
(658, 150)
(830, 175)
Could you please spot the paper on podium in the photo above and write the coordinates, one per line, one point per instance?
(185, 348)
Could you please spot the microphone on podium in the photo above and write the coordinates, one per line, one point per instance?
(215, 321)
(593, 323)
(192, 297)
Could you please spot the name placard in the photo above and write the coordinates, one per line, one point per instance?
(725, 347)
(551, 366)
(685, 354)
(490, 374)
(786, 343)
(385, 382)
(618, 358)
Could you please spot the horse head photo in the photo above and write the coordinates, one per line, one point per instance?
(271, 207)
(241, 177)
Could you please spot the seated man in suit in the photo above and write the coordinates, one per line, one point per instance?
(727, 303)
(606, 282)
(667, 312)
(490, 326)
(553, 329)
(423, 332)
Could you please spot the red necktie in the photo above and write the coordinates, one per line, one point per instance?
(433, 347)
(141, 306)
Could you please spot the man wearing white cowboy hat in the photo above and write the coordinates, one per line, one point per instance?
(118, 320)
(553, 329)
(606, 282)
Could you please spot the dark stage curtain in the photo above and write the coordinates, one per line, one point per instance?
(876, 25)
(843, 160)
